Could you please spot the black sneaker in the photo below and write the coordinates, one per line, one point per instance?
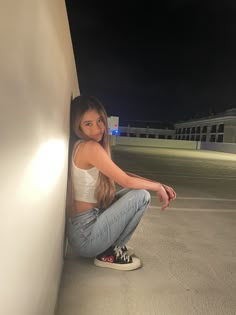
(115, 257)
(128, 250)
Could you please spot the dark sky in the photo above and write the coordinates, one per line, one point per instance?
(161, 61)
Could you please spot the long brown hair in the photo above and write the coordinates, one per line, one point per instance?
(105, 190)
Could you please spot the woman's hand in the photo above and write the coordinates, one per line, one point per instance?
(170, 191)
(166, 194)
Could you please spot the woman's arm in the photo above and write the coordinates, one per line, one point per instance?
(170, 191)
(95, 155)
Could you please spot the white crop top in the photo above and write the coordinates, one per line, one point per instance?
(84, 182)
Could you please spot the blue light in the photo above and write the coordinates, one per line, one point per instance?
(115, 132)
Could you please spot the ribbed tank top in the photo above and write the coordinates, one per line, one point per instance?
(84, 182)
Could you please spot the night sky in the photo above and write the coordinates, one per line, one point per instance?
(156, 61)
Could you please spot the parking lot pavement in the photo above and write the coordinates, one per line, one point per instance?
(188, 250)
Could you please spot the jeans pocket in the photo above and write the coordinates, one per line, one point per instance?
(87, 223)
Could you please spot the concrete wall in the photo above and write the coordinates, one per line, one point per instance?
(230, 131)
(37, 79)
(175, 144)
(151, 142)
(222, 147)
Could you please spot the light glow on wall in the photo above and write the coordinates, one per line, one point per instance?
(46, 166)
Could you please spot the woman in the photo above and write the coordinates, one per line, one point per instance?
(100, 220)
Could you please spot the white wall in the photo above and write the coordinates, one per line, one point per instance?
(37, 78)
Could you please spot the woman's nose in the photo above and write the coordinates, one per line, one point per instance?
(95, 128)
(98, 126)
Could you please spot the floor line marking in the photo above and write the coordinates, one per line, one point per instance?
(202, 198)
(195, 209)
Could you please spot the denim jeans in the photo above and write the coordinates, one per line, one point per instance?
(92, 232)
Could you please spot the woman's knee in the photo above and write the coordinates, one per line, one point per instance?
(142, 196)
(146, 196)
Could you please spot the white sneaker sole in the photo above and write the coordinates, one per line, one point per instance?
(131, 266)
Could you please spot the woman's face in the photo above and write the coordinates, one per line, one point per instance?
(92, 125)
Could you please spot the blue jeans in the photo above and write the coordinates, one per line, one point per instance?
(92, 232)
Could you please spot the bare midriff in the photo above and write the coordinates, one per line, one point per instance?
(82, 206)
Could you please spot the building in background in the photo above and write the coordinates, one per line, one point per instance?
(147, 132)
(215, 128)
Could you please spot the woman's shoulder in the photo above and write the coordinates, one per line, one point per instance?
(83, 143)
(78, 142)
(86, 146)
(92, 149)
(91, 144)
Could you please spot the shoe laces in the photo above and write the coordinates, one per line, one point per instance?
(124, 248)
(121, 252)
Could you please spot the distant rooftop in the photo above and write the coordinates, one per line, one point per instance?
(146, 123)
(169, 125)
(228, 112)
(231, 111)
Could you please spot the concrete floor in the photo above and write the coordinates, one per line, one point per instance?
(188, 251)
